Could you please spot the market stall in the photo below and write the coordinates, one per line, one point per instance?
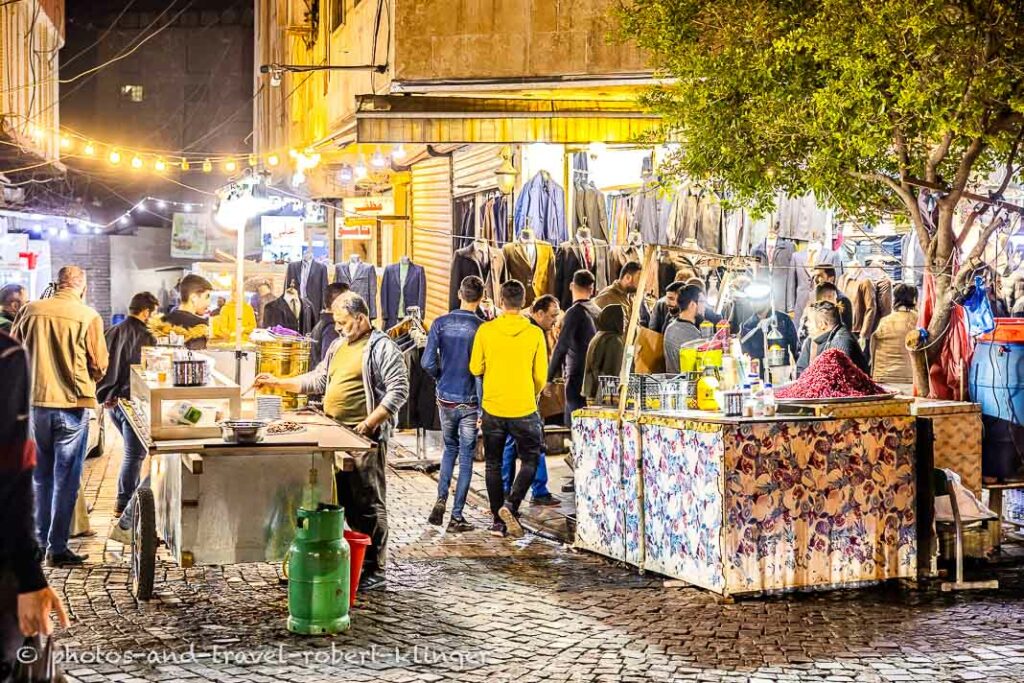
(820, 495)
(740, 505)
(221, 498)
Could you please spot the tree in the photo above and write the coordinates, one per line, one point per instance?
(867, 103)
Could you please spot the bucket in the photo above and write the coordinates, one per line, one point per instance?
(358, 543)
(997, 383)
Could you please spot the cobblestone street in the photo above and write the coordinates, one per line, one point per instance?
(477, 608)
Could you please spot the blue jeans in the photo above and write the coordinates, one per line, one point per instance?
(61, 436)
(539, 487)
(458, 428)
(135, 453)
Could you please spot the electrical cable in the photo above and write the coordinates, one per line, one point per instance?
(67, 62)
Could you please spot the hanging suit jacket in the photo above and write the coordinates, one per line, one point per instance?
(316, 282)
(783, 277)
(491, 270)
(542, 203)
(570, 259)
(589, 208)
(364, 283)
(538, 279)
(391, 290)
(278, 312)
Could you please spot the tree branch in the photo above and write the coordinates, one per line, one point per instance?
(906, 194)
(938, 153)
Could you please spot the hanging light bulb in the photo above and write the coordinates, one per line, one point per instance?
(188, 207)
(252, 160)
(89, 149)
(65, 142)
(185, 165)
(97, 230)
(378, 160)
(115, 157)
(123, 220)
(51, 231)
(37, 133)
(345, 175)
(63, 233)
(273, 160)
(160, 165)
(230, 165)
(136, 162)
(161, 204)
(398, 152)
(207, 166)
(360, 170)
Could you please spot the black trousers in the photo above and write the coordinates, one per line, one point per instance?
(363, 494)
(528, 433)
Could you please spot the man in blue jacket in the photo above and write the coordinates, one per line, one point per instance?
(446, 359)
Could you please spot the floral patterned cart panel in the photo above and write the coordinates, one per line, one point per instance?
(819, 503)
(600, 497)
(683, 502)
(632, 449)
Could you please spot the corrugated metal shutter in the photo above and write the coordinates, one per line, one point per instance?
(432, 229)
(474, 168)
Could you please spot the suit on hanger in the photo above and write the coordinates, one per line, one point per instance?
(782, 276)
(539, 278)
(491, 270)
(364, 283)
(570, 258)
(413, 292)
(316, 282)
(589, 209)
(278, 312)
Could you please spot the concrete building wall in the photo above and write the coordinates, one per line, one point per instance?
(92, 254)
(479, 39)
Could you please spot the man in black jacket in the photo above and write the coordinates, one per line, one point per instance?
(125, 341)
(830, 333)
(570, 355)
(26, 602)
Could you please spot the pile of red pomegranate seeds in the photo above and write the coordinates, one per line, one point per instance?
(831, 375)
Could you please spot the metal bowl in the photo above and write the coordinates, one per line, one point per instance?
(243, 431)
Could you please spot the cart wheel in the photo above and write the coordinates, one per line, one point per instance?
(143, 545)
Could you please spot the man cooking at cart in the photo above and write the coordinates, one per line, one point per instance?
(364, 383)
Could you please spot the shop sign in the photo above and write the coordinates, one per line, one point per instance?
(353, 228)
(369, 207)
(282, 237)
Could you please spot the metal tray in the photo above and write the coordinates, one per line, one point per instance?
(830, 401)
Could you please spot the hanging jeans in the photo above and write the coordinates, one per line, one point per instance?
(135, 453)
(528, 434)
(539, 487)
(458, 429)
(61, 436)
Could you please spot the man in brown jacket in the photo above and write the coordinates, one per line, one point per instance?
(64, 338)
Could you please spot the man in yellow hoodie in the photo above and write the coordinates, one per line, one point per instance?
(511, 356)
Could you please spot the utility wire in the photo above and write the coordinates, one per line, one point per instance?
(113, 25)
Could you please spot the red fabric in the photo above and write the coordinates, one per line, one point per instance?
(15, 458)
(947, 376)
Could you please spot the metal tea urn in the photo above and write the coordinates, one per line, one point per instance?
(318, 573)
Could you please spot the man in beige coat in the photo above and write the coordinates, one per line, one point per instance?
(64, 338)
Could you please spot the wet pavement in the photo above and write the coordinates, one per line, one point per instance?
(470, 607)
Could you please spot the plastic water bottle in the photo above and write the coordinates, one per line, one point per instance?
(768, 399)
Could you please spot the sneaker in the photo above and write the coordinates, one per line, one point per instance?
(65, 559)
(437, 514)
(497, 529)
(456, 525)
(547, 500)
(120, 534)
(515, 529)
(372, 581)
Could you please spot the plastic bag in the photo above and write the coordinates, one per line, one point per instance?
(980, 319)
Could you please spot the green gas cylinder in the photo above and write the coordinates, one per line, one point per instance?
(318, 572)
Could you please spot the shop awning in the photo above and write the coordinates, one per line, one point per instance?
(439, 120)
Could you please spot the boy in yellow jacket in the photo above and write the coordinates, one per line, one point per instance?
(511, 356)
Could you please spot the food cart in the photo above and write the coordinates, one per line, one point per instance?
(212, 502)
(820, 496)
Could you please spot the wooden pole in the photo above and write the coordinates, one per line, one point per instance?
(649, 269)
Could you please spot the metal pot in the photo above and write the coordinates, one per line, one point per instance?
(243, 431)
